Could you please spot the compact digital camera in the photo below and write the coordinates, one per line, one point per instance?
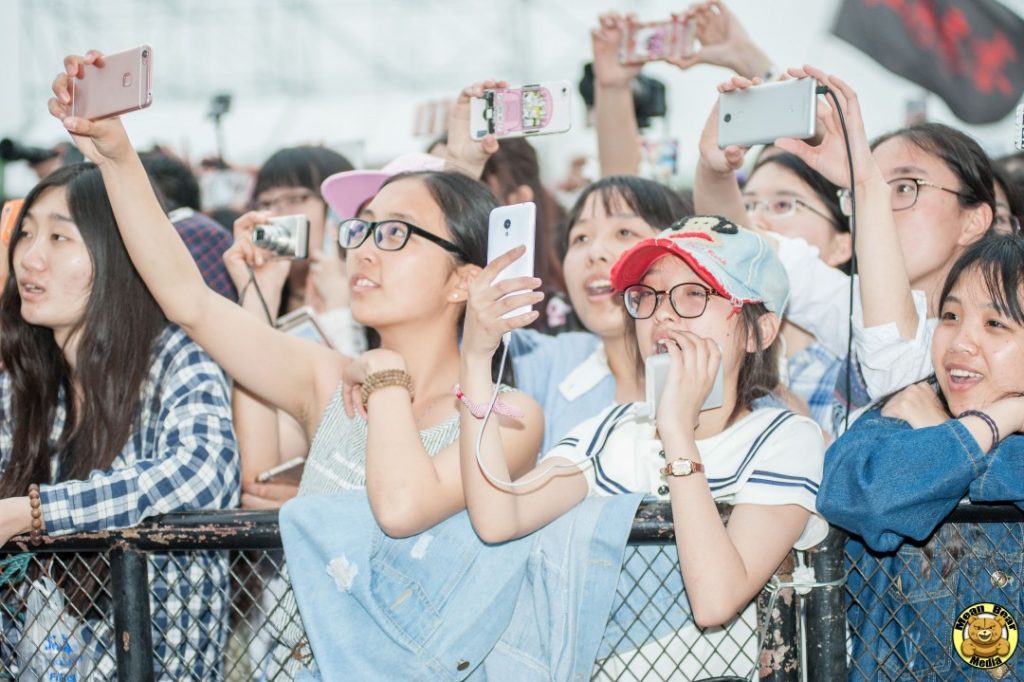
(286, 236)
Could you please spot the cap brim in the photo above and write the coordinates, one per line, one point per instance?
(636, 261)
(345, 192)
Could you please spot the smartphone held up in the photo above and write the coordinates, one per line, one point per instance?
(761, 114)
(509, 227)
(122, 84)
(538, 109)
(650, 41)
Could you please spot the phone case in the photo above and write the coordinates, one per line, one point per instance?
(763, 113)
(123, 84)
(539, 109)
(509, 227)
(290, 471)
(649, 41)
(656, 375)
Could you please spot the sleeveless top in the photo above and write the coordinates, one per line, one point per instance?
(337, 457)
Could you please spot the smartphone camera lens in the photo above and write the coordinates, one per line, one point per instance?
(508, 223)
(145, 53)
(727, 118)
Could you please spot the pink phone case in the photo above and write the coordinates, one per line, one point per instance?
(123, 84)
(653, 40)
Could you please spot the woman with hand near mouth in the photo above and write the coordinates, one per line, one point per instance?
(903, 467)
(707, 293)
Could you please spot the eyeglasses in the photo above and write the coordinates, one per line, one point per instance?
(388, 235)
(902, 194)
(688, 300)
(284, 201)
(782, 207)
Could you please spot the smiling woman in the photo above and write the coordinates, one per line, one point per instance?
(899, 471)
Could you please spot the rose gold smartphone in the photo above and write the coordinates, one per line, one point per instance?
(121, 85)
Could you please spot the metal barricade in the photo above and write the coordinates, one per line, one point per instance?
(106, 620)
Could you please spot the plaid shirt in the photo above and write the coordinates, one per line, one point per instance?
(181, 455)
(207, 240)
(812, 376)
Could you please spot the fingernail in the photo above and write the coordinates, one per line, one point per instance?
(65, 97)
(69, 123)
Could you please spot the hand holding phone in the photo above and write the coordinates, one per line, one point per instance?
(123, 83)
(760, 114)
(509, 227)
(538, 109)
(644, 42)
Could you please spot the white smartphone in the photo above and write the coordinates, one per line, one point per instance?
(538, 109)
(123, 84)
(763, 113)
(509, 227)
(286, 472)
(656, 375)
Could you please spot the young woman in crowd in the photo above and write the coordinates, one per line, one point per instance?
(575, 375)
(923, 194)
(88, 445)
(1009, 201)
(707, 293)
(906, 464)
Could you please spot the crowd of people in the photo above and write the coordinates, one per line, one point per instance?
(867, 331)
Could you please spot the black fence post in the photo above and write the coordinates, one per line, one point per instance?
(826, 611)
(133, 638)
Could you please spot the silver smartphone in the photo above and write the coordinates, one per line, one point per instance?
(509, 227)
(763, 113)
(656, 376)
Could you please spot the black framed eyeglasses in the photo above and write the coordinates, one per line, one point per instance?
(688, 300)
(903, 193)
(388, 235)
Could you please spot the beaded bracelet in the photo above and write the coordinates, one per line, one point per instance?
(985, 418)
(385, 378)
(35, 534)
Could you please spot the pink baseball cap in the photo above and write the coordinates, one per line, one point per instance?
(345, 192)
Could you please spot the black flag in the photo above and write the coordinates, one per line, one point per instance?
(968, 52)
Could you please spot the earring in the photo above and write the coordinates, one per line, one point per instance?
(455, 296)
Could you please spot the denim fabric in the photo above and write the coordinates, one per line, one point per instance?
(443, 605)
(542, 363)
(892, 486)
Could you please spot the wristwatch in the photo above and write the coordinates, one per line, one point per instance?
(681, 467)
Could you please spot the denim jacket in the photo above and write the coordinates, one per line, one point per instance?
(443, 605)
(892, 486)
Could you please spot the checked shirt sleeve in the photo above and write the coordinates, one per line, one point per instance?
(183, 456)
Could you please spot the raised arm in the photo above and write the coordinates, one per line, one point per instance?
(463, 153)
(723, 42)
(715, 189)
(618, 136)
(500, 513)
(286, 372)
(884, 282)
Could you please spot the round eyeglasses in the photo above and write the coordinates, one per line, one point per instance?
(688, 300)
(903, 193)
(389, 235)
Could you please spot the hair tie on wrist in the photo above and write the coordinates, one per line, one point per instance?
(479, 410)
(985, 418)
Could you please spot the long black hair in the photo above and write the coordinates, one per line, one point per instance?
(116, 332)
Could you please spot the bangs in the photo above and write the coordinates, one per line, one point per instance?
(999, 259)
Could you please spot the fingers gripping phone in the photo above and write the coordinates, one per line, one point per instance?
(656, 376)
(122, 84)
(649, 41)
(538, 109)
(509, 227)
(763, 113)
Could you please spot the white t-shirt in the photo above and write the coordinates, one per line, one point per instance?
(770, 456)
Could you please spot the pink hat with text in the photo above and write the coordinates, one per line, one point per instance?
(346, 192)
